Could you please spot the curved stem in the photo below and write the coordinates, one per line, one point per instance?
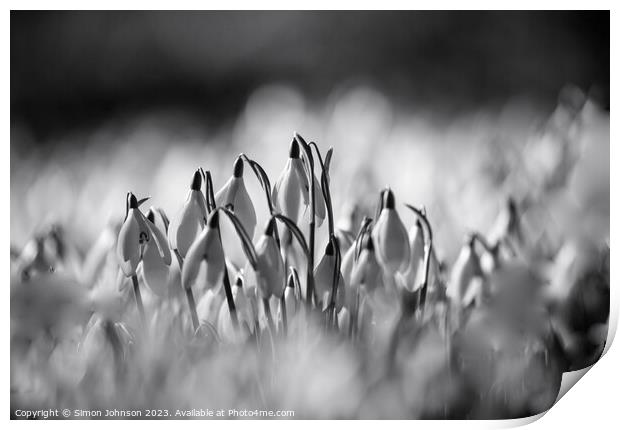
(365, 226)
(290, 224)
(318, 153)
(310, 174)
(428, 249)
(327, 196)
(246, 242)
(310, 293)
(263, 179)
(250, 252)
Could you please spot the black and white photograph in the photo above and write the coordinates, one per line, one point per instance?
(307, 215)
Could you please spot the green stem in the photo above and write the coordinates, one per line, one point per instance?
(138, 297)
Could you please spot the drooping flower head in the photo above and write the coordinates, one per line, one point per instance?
(291, 188)
(390, 235)
(205, 262)
(270, 272)
(235, 195)
(366, 270)
(324, 278)
(138, 235)
(465, 270)
(190, 220)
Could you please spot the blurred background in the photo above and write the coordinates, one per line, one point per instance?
(448, 108)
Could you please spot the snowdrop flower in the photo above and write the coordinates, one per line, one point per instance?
(205, 257)
(291, 186)
(391, 237)
(190, 220)
(136, 235)
(270, 272)
(234, 193)
(324, 277)
(465, 270)
(155, 272)
(366, 270)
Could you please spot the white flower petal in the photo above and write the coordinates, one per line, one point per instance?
(270, 274)
(392, 242)
(128, 248)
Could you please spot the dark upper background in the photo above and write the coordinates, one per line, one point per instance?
(72, 68)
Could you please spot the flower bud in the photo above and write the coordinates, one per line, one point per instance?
(270, 273)
(465, 270)
(134, 235)
(291, 186)
(206, 254)
(190, 220)
(324, 278)
(390, 237)
(235, 194)
(367, 271)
